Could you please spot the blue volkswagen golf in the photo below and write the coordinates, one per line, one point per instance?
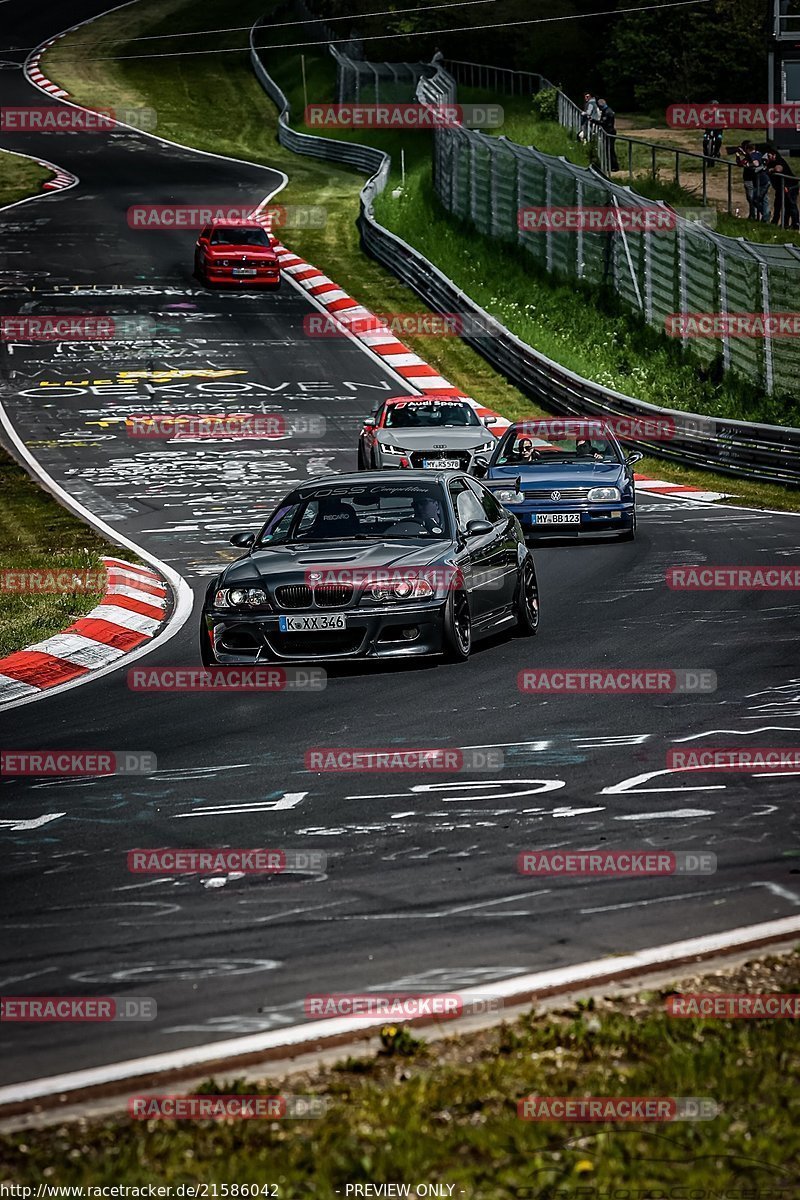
(564, 478)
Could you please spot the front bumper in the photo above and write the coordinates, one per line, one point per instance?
(240, 639)
(595, 520)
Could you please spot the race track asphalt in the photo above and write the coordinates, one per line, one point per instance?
(421, 890)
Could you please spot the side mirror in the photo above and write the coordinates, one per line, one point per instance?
(489, 421)
(480, 465)
(369, 423)
(478, 528)
(243, 539)
(633, 457)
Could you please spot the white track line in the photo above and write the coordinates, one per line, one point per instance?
(225, 1054)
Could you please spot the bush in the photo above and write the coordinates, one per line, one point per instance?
(545, 104)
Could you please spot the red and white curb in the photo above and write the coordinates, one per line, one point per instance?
(381, 342)
(34, 72)
(681, 491)
(61, 178)
(132, 611)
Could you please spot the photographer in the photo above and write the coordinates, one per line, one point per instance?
(785, 185)
(742, 153)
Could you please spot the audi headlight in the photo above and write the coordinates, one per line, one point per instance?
(404, 589)
(509, 496)
(391, 449)
(605, 493)
(485, 447)
(240, 598)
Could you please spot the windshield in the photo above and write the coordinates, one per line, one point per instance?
(242, 236)
(384, 512)
(427, 414)
(520, 448)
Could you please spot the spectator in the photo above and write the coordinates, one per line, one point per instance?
(712, 140)
(608, 123)
(756, 160)
(785, 185)
(742, 153)
(590, 117)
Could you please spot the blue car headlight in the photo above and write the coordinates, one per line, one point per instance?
(604, 493)
(509, 496)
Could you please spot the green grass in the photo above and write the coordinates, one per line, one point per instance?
(37, 534)
(195, 99)
(20, 177)
(587, 330)
(446, 1112)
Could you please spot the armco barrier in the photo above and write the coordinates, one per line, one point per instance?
(765, 452)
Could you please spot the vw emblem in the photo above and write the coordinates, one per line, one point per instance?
(555, 495)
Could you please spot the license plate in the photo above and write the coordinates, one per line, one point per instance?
(441, 464)
(244, 270)
(557, 518)
(313, 623)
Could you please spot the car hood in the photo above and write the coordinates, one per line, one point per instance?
(452, 438)
(559, 475)
(282, 563)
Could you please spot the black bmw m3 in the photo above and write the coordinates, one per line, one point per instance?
(389, 565)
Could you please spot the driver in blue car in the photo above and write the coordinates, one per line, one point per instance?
(585, 449)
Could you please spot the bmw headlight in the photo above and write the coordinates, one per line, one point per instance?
(604, 493)
(509, 496)
(403, 589)
(240, 598)
(224, 262)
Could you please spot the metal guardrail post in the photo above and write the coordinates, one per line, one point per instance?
(769, 366)
(722, 274)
